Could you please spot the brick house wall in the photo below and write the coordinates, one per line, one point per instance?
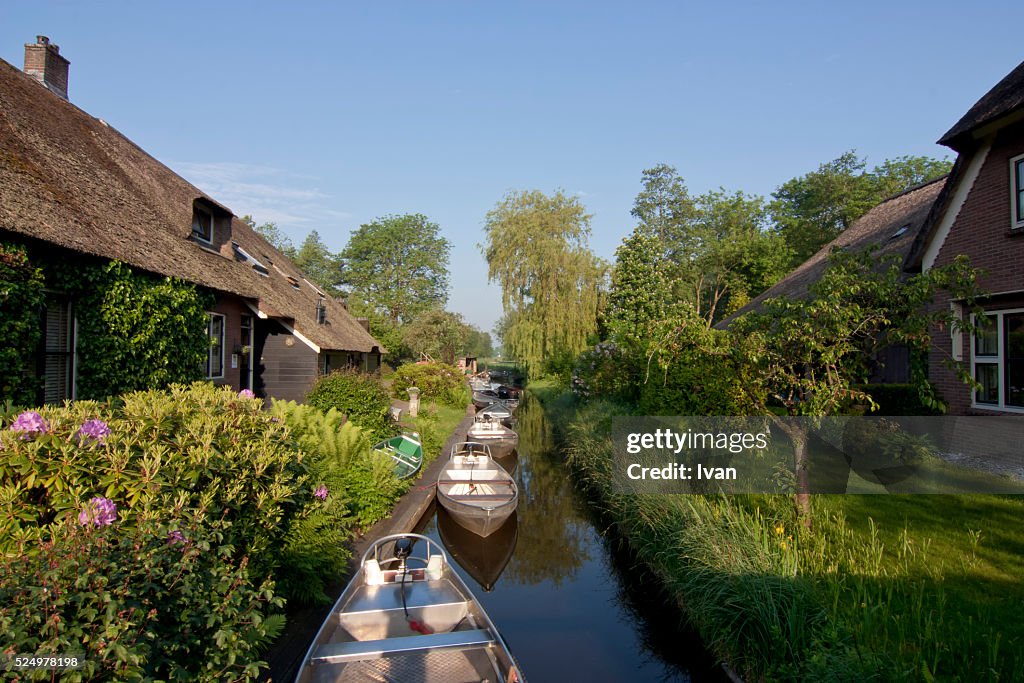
(982, 231)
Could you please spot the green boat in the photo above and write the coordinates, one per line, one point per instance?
(407, 452)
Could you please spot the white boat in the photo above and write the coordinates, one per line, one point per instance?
(499, 411)
(476, 490)
(489, 430)
(407, 616)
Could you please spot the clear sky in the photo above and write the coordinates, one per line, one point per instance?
(326, 115)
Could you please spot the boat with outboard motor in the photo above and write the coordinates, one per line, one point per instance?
(407, 617)
(487, 429)
(499, 411)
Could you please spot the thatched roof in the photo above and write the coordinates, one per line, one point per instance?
(881, 227)
(1006, 97)
(69, 179)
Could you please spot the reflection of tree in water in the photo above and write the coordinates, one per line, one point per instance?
(554, 539)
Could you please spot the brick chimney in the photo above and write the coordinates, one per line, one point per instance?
(44, 63)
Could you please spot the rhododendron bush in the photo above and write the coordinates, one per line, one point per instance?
(147, 534)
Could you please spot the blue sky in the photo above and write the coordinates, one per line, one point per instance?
(327, 115)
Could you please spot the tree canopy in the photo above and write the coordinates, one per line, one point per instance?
(811, 210)
(399, 265)
(536, 249)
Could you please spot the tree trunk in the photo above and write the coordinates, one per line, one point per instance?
(803, 481)
(798, 434)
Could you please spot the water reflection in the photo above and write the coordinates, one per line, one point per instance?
(554, 540)
(484, 559)
(570, 605)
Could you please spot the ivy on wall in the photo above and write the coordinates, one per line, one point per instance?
(135, 331)
(21, 300)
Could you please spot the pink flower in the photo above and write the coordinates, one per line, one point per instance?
(99, 511)
(246, 393)
(321, 492)
(31, 424)
(175, 537)
(94, 430)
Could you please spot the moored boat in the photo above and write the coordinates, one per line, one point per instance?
(487, 429)
(406, 452)
(499, 411)
(476, 490)
(486, 397)
(407, 616)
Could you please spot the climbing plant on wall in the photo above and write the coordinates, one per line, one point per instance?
(135, 331)
(21, 300)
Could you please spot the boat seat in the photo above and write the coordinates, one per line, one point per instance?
(480, 482)
(333, 653)
(479, 496)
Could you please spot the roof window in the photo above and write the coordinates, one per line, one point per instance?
(902, 231)
(202, 224)
(243, 255)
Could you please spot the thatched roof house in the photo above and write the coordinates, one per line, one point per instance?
(70, 180)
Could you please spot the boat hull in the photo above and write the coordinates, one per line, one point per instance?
(479, 493)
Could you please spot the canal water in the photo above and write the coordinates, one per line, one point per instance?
(571, 606)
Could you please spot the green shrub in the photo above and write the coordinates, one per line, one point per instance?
(135, 602)
(694, 384)
(436, 381)
(21, 299)
(359, 488)
(359, 396)
(196, 461)
(607, 370)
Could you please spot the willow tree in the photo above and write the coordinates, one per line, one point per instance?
(536, 249)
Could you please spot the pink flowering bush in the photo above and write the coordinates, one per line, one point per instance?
(175, 505)
(29, 425)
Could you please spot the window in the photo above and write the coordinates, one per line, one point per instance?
(202, 224)
(56, 364)
(215, 357)
(998, 361)
(1017, 192)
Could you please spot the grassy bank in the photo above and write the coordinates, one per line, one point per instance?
(885, 588)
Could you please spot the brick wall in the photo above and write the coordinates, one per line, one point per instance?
(982, 232)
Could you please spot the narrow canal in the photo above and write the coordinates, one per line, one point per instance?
(571, 607)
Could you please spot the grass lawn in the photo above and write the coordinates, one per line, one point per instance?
(435, 423)
(948, 584)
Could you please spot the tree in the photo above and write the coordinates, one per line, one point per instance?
(813, 209)
(807, 355)
(399, 265)
(272, 234)
(318, 263)
(478, 344)
(640, 300)
(438, 334)
(735, 257)
(714, 251)
(663, 206)
(550, 280)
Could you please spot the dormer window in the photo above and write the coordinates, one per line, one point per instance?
(202, 224)
(1017, 192)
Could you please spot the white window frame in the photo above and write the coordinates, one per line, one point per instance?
(1000, 363)
(202, 210)
(1016, 198)
(209, 336)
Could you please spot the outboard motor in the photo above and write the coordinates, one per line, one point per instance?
(403, 549)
